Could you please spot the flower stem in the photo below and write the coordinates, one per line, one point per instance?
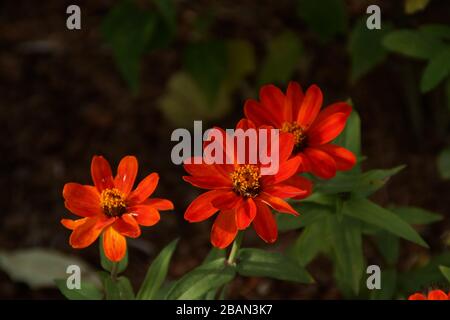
(234, 250)
(114, 269)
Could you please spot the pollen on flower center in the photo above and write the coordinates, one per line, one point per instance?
(298, 132)
(246, 180)
(112, 202)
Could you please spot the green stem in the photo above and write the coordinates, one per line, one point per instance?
(234, 250)
(114, 269)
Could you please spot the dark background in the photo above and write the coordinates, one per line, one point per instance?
(62, 100)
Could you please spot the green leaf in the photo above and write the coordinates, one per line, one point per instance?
(127, 29)
(388, 286)
(260, 263)
(371, 213)
(201, 280)
(372, 180)
(119, 289)
(156, 273)
(241, 62)
(214, 254)
(283, 56)
(183, 102)
(87, 291)
(446, 272)
(365, 48)
(415, 215)
(412, 43)
(443, 163)
(388, 245)
(108, 264)
(327, 18)
(311, 241)
(350, 138)
(206, 62)
(309, 213)
(436, 71)
(39, 267)
(437, 31)
(347, 247)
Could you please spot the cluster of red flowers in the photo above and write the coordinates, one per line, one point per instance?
(238, 192)
(432, 295)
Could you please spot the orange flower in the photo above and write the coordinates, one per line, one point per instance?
(432, 295)
(242, 195)
(111, 207)
(313, 130)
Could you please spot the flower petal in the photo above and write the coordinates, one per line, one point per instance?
(345, 159)
(204, 171)
(101, 173)
(207, 182)
(417, 296)
(324, 131)
(114, 245)
(437, 295)
(201, 208)
(272, 100)
(86, 233)
(294, 97)
(265, 224)
(227, 200)
(126, 174)
(84, 201)
(310, 107)
(295, 187)
(277, 203)
(159, 204)
(224, 229)
(286, 170)
(321, 164)
(145, 215)
(72, 224)
(245, 213)
(258, 114)
(127, 226)
(338, 107)
(144, 189)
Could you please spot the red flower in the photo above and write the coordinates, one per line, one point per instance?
(243, 196)
(111, 207)
(432, 295)
(313, 130)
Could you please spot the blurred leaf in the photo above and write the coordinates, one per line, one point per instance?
(157, 272)
(446, 272)
(310, 242)
(327, 18)
(309, 213)
(260, 263)
(416, 215)
(201, 280)
(214, 254)
(108, 264)
(347, 247)
(206, 62)
(436, 71)
(241, 62)
(366, 49)
(388, 286)
(167, 11)
(437, 31)
(443, 163)
(412, 43)
(423, 277)
(413, 6)
(127, 29)
(350, 138)
(371, 213)
(87, 291)
(183, 102)
(39, 267)
(119, 289)
(388, 245)
(283, 56)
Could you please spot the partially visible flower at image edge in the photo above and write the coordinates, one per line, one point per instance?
(432, 295)
(313, 129)
(242, 196)
(111, 208)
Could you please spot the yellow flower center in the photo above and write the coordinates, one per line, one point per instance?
(298, 132)
(112, 202)
(246, 180)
